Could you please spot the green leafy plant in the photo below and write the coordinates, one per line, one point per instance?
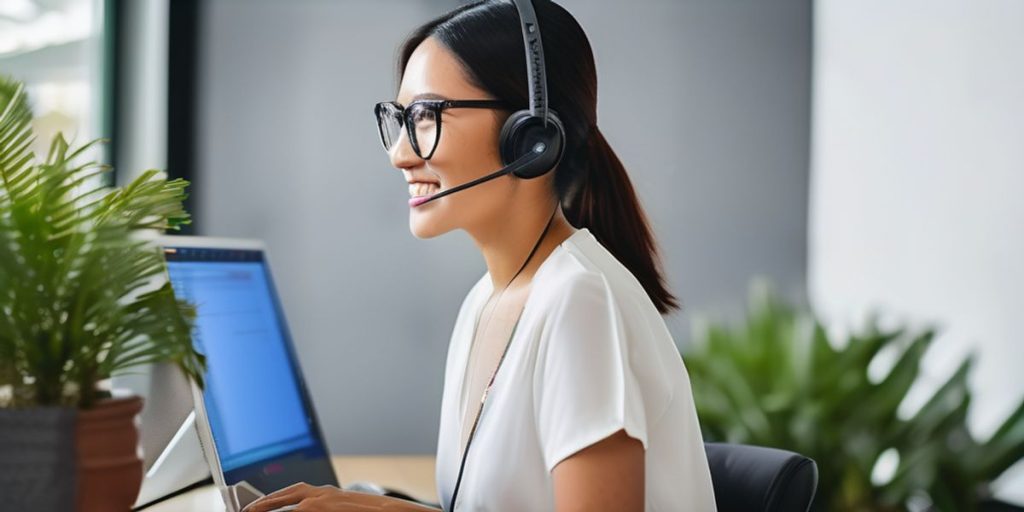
(76, 296)
(777, 380)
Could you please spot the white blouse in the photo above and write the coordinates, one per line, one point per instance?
(591, 355)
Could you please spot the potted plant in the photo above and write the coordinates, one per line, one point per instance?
(777, 380)
(79, 301)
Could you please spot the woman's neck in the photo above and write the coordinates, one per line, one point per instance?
(506, 246)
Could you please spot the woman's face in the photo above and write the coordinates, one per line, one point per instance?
(467, 149)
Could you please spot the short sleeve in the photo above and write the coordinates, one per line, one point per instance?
(584, 387)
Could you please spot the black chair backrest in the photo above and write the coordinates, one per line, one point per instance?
(754, 478)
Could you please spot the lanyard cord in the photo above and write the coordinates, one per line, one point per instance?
(483, 398)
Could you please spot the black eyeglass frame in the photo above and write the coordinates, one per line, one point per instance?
(436, 106)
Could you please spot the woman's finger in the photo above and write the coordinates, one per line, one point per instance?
(267, 503)
(288, 496)
(340, 500)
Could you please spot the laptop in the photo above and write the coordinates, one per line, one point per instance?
(255, 419)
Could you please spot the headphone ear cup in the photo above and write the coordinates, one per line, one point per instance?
(521, 133)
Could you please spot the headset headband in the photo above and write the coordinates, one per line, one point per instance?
(537, 81)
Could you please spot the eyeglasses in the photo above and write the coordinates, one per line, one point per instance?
(422, 121)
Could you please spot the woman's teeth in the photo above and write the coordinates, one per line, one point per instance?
(423, 189)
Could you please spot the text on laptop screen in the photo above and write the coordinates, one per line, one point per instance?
(252, 396)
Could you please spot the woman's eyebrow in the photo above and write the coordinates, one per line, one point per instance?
(429, 96)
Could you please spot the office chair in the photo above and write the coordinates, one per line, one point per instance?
(758, 479)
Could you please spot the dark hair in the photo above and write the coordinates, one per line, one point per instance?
(590, 181)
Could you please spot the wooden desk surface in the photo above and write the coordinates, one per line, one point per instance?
(411, 474)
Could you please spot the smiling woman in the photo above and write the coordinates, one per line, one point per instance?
(563, 388)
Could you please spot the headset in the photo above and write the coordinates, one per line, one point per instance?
(532, 141)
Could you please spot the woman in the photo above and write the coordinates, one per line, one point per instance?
(591, 408)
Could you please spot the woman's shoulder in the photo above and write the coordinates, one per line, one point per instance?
(584, 266)
(588, 295)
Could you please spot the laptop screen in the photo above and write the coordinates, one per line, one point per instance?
(254, 402)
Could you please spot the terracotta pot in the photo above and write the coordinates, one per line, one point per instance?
(109, 469)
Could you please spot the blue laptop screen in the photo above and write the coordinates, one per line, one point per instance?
(252, 394)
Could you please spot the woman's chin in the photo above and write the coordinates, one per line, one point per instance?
(421, 227)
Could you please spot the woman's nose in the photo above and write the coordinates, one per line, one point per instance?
(402, 155)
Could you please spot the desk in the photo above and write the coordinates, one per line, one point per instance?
(413, 475)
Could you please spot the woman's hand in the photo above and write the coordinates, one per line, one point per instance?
(327, 498)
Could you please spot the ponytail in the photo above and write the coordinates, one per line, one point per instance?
(603, 200)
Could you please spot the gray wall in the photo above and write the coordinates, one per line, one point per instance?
(707, 103)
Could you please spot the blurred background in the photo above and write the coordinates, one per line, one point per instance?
(865, 157)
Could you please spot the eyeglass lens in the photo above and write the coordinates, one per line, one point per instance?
(425, 129)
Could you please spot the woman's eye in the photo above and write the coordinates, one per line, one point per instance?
(422, 114)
